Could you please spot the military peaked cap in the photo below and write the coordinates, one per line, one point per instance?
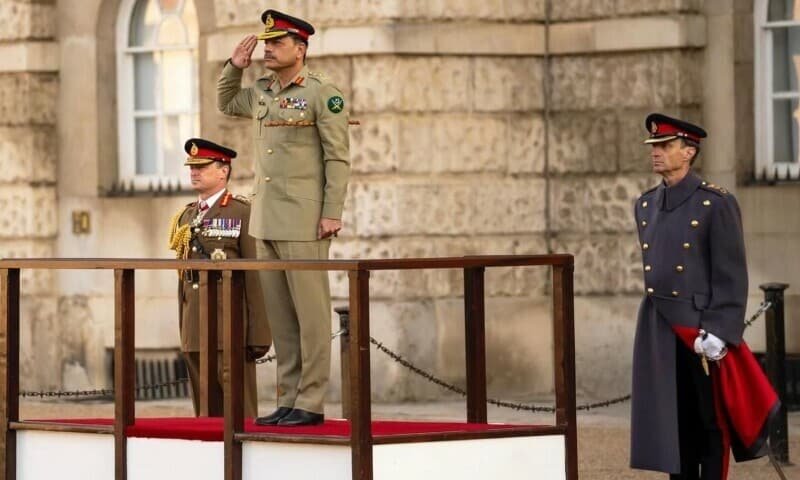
(663, 129)
(278, 24)
(203, 152)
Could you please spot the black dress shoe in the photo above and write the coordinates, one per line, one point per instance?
(301, 417)
(274, 417)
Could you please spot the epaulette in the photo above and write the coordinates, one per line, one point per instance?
(714, 188)
(184, 208)
(225, 200)
(319, 76)
(242, 199)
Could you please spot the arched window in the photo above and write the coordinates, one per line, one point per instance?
(157, 90)
(777, 102)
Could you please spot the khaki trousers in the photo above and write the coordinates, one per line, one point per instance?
(250, 391)
(299, 314)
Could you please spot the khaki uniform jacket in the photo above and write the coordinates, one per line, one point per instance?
(230, 210)
(301, 172)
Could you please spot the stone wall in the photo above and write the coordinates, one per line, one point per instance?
(28, 149)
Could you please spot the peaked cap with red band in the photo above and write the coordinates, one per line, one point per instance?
(203, 152)
(277, 24)
(663, 129)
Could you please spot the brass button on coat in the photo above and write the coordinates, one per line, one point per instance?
(645, 246)
(644, 204)
(269, 150)
(675, 293)
(644, 223)
(649, 291)
(687, 245)
(679, 268)
(267, 179)
(647, 268)
(695, 223)
(707, 202)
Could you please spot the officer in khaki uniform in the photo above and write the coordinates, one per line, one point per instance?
(300, 130)
(216, 226)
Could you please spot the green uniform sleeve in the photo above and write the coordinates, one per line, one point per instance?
(332, 125)
(232, 99)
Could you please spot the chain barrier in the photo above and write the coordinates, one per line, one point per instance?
(108, 392)
(101, 392)
(763, 307)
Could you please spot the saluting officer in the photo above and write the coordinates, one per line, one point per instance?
(216, 226)
(300, 130)
(695, 276)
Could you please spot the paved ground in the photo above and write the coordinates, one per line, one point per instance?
(602, 433)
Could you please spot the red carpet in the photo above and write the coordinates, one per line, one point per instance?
(211, 428)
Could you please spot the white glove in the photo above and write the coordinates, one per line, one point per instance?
(710, 346)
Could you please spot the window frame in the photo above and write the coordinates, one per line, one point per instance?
(766, 169)
(127, 114)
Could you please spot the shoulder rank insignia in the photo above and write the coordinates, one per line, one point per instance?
(715, 188)
(318, 75)
(242, 199)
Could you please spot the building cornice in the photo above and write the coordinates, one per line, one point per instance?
(491, 38)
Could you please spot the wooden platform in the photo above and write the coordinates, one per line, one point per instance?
(193, 449)
(32, 451)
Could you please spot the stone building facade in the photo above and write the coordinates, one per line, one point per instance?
(487, 126)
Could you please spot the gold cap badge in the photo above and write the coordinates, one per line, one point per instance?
(269, 22)
(653, 127)
(194, 150)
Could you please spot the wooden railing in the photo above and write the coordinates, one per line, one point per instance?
(357, 400)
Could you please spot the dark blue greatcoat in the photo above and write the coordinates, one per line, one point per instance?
(695, 275)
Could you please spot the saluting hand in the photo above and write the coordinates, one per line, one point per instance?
(243, 51)
(328, 227)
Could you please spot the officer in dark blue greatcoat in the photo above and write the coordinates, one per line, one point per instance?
(695, 276)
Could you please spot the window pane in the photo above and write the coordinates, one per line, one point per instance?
(145, 75)
(144, 22)
(178, 80)
(785, 59)
(177, 129)
(172, 32)
(786, 116)
(189, 17)
(783, 10)
(146, 160)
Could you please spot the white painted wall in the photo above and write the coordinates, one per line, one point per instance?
(79, 456)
